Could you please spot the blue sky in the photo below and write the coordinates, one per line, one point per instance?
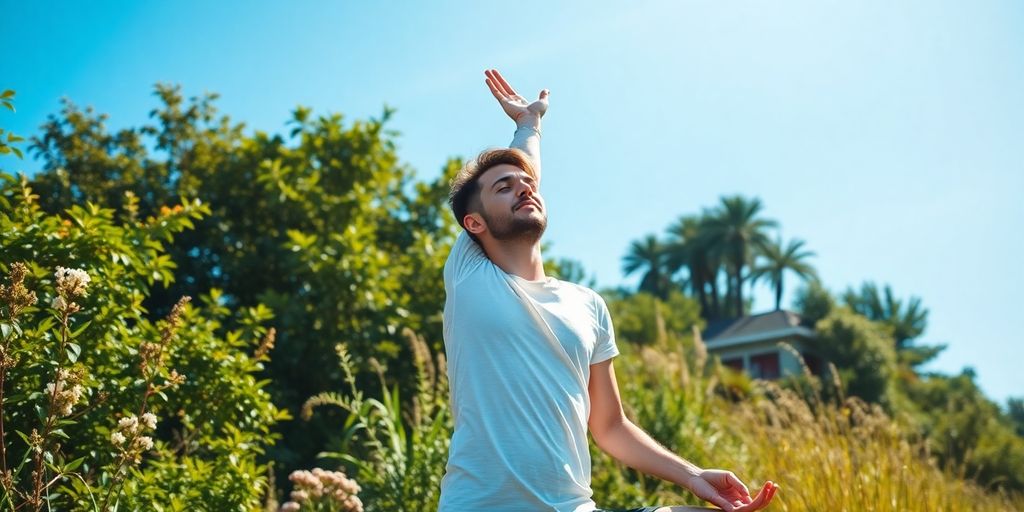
(888, 135)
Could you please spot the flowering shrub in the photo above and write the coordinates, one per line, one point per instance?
(102, 408)
(320, 490)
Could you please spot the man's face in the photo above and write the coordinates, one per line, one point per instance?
(512, 207)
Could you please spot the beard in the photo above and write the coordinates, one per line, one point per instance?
(516, 229)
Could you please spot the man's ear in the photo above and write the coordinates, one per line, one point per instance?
(474, 223)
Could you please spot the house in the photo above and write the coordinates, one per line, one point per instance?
(750, 344)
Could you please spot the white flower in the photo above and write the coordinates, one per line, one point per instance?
(71, 282)
(58, 303)
(117, 438)
(65, 408)
(145, 442)
(149, 419)
(75, 393)
(128, 423)
(64, 399)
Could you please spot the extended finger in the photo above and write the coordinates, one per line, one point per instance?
(769, 495)
(762, 499)
(498, 95)
(500, 91)
(544, 95)
(501, 81)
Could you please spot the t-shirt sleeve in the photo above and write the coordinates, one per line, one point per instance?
(606, 347)
(465, 257)
(527, 139)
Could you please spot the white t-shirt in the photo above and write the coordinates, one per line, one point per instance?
(519, 355)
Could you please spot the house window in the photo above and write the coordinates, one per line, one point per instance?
(735, 363)
(765, 366)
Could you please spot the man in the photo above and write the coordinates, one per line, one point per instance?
(530, 357)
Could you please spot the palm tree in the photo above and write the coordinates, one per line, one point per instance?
(650, 256)
(779, 259)
(906, 324)
(734, 230)
(688, 248)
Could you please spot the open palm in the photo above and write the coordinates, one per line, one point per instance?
(723, 489)
(516, 106)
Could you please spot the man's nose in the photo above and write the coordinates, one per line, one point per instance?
(526, 189)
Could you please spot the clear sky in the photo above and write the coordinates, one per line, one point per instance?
(888, 135)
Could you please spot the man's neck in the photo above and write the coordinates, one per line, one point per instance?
(521, 259)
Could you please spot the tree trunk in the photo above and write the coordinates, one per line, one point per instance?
(698, 284)
(778, 295)
(716, 299)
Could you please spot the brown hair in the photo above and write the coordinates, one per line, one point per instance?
(464, 196)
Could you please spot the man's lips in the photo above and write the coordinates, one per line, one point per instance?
(526, 203)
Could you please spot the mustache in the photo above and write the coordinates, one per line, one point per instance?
(527, 201)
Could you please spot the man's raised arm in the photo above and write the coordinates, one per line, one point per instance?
(527, 115)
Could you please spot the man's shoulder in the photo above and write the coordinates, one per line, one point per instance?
(465, 257)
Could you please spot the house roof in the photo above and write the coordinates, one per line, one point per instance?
(756, 328)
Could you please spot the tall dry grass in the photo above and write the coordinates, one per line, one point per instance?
(840, 454)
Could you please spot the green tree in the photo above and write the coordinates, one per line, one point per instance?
(324, 225)
(862, 350)
(966, 431)
(814, 302)
(688, 247)
(649, 256)
(1015, 409)
(642, 318)
(734, 230)
(778, 260)
(907, 320)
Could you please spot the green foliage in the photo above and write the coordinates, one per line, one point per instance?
(862, 350)
(905, 320)
(965, 430)
(872, 464)
(814, 302)
(675, 392)
(643, 318)
(1015, 409)
(651, 257)
(110, 361)
(731, 241)
(778, 259)
(324, 226)
(8, 139)
(735, 230)
(398, 457)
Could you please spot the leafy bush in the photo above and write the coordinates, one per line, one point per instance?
(398, 456)
(111, 409)
(863, 351)
(322, 223)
